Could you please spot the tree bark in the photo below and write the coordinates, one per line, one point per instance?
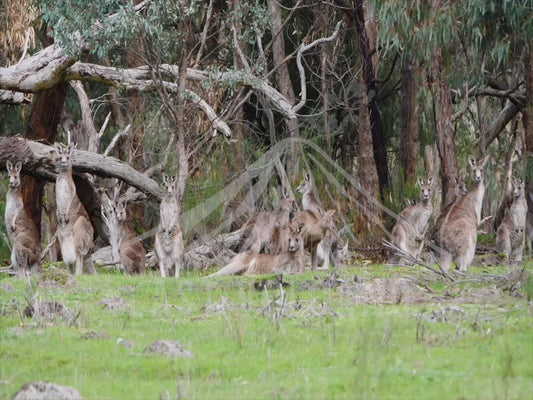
(42, 126)
(444, 132)
(283, 78)
(368, 212)
(357, 16)
(409, 135)
(38, 161)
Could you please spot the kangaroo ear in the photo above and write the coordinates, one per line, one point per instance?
(71, 146)
(58, 147)
(329, 213)
(174, 178)
(9, 166)
(307, 179)
(430, 181)
(472, 161)
(484, 160)
(18, 166)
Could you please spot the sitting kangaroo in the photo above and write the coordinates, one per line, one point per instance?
(74, 230)
(410, 229)
(510, 233)
(169, 244)
(131, 249)
(26, 246)
(457, 237)
(258, 231)
(313, 229)
(290, 261)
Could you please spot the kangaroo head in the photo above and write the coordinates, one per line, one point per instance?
(518, 187)
(64, 155)
(295, 239)
(13, 172)
(460, 184)
(305, 185)
(170, 184)
(477, 168)
(326, 221)
(120, 210)
(426, 188)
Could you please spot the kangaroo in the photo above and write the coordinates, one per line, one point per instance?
(26, 246)
(329, 246)
(510, 233)
(309, 201)
(169, 244)
(74, 231)
(459, 191)
(290, 261)
(410, 229)
(313, 229)
(458, 234)
(132, 252)
(258, 231)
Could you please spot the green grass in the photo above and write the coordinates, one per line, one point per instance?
(324, 346)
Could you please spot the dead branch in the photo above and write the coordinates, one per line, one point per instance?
(37, 159)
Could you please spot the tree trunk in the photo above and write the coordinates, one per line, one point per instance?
(283, 78)
(357, 16)
(528, 110)
(39, 163)
(444, 132)
(409, 135)
(368, 212)
(42, 126)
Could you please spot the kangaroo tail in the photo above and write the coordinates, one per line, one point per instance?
(236, 266)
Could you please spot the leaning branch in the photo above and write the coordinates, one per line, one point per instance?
(38, 161)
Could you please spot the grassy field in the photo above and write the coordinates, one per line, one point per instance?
(372, 332)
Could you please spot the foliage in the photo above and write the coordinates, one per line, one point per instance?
(307, 341)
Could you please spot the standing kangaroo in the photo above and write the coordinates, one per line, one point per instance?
(459, 191)
(26, 246)
(131, 249)
(250, 263)
(74, 231)
(309, 201)
(258, 231)
(329, 247)
(510, 233)
(313, 229)
(410, 229)
(169, 245)
(458, 234)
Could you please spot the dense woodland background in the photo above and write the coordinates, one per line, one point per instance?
(240, 97)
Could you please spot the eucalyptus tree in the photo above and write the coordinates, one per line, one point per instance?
(465, 50)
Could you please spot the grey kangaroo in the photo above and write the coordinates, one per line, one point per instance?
(290, 261)
(26, 246)
(258, 231)
(74, 231)
(458, 234)
(410, 229)
(169, 244)
(131, 249)
(510, 233)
